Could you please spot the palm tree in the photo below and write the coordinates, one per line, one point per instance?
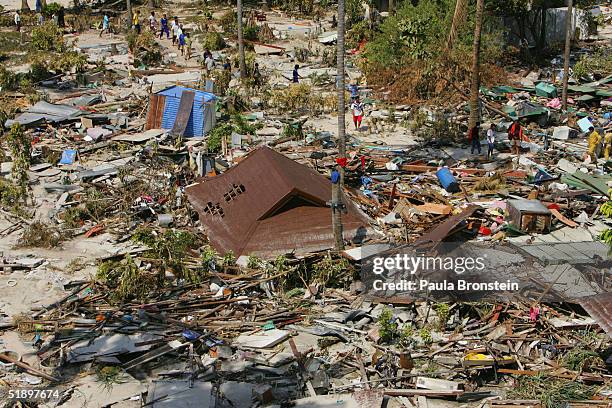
(475, 85)
(337, 188)
(566, 54)
(243, 72)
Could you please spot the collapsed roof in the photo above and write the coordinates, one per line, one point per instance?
(269, 205)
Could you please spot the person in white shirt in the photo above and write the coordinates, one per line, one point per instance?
(174, 28)
(491, 140)
(17, 21)
(357, 108)
(179, 31)
(209, 62)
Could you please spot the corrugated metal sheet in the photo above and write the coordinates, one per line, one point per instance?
(155, 112)
(203, 103)
(269, 204)
(599, 307)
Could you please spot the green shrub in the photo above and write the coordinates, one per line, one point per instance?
(51, 8)
(229, 21)
(48, 37)
(212, 41)
(217, 134)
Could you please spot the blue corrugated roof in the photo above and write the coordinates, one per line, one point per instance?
(195, 126)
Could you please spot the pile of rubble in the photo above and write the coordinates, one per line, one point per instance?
(173, 250)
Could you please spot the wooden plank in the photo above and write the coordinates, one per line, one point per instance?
(183, 114)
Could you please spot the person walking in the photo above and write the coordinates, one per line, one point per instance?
(209, 62)
(174, 28)
(136, 21)
(163, 22)
(354, 90)
(179, 33)
(474, 136)
(187, 46)
(357, 108)
(153, 23)
(296, 74)
(515, 134)
(105, 25)
(181, 45)
(256, 75)
(17, 19)
(490, 141)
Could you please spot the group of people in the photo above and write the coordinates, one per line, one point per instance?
(515, 135)
(180, 38)
(57, 18)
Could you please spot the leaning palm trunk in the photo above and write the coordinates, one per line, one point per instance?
(338, 187)
(475, 85)
(458, 20)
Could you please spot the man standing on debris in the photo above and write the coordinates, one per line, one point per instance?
(136, 21)
(594, 143)
(163, 22)
(474, 137)
(491, 141)
(153, 22)
(357, 108)
(515, 134)
(17, 21)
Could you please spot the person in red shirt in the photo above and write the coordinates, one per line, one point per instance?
(515, 133)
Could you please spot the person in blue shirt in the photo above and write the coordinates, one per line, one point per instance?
(164, 27)
(354, 90)
(296, 74)
(182, 42)
(105, 25)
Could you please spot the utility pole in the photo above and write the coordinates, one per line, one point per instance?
(566, 54)
(243, 72)
(337, 188)
(475, 86)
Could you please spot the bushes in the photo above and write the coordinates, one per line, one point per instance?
(212, 41)
(48, 37)
(229, 21)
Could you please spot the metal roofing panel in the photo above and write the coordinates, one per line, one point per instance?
(170, 111)
(236, 203)
(599, 307)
